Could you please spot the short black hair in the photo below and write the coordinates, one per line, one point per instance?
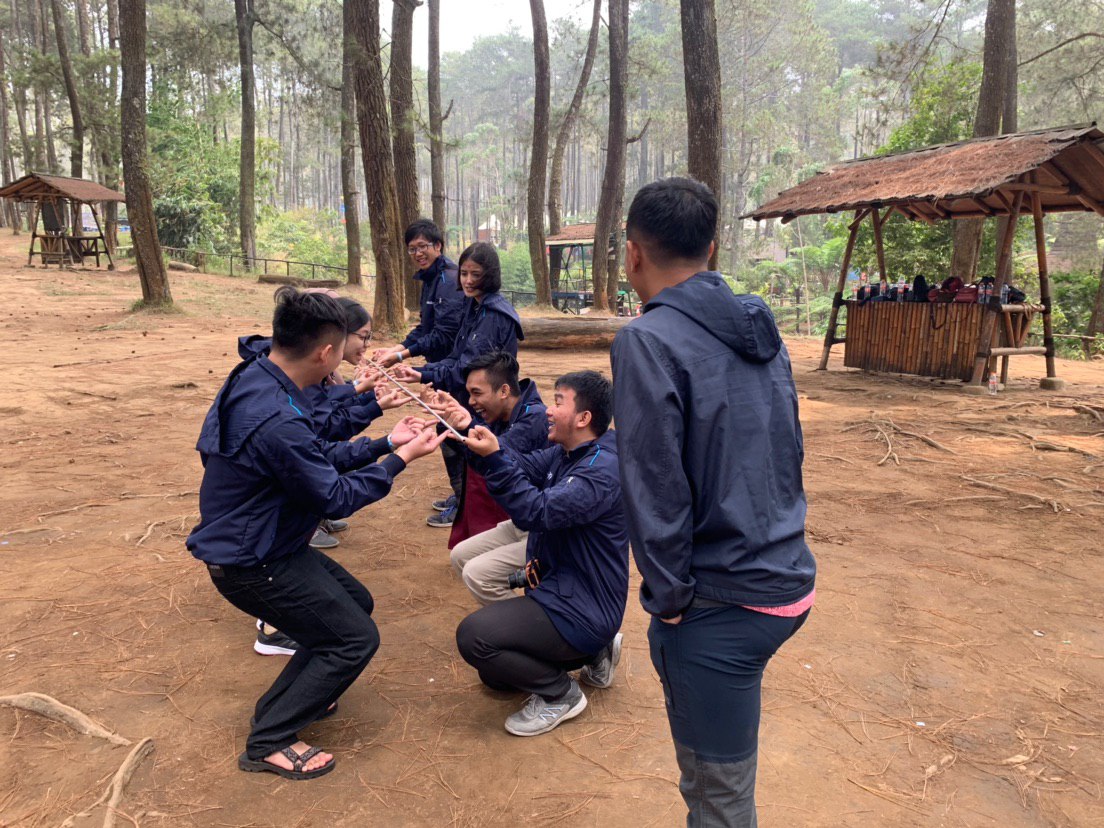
(500, 367)
(303, 320)
(593, 393)
(356, 315)
(427, 230)
(675, 218)
(484, 255)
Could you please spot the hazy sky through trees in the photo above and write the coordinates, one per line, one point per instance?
(462, 21)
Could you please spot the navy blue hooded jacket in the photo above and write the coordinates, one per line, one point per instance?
(488, 325)
(268, 479)
(338, 411)
(570, 503)
(711, 451)
(442, 310)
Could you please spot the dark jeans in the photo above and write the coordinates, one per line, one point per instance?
(514, 646)
(325, 610)
(711, 665)
(454, 465)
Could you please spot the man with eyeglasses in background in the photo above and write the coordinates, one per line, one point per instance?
(442, 307)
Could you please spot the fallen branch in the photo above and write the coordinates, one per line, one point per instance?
(998, 488)
(113, 794)
(51, 708)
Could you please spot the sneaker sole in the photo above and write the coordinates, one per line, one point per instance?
(333, 545)
(570, 714)
(437, 507)
(270, 649)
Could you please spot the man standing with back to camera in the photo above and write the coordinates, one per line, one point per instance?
(710, 453)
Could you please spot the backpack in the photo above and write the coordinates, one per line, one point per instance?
(919, 290)
(946, 291)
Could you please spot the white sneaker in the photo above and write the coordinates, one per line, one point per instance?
(540, 716)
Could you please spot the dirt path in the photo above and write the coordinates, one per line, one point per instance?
(951, 674)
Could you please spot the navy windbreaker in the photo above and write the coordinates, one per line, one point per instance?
(570, 503)
(442, 309)
(711, 451)
(488, 325)
(268, 479)
(338, 411)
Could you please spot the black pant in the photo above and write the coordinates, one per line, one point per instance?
(324, 609)
(514, 646)
(454, 466)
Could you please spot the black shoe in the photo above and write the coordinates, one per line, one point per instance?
(275, 644)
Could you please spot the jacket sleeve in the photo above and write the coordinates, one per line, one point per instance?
(494, 332)
(657, 495)
(573, 501)
(300, 463)
(447, 316)
(347, 421)
(348, 455)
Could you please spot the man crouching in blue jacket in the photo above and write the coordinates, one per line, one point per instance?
(267, 482)
(710, 453)
(568, 498)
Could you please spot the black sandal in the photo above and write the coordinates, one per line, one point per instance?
(297, 760)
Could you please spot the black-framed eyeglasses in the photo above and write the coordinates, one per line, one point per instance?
(415, 249)
(363, 337)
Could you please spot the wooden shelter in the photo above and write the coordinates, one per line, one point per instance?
(58, 205)
(1040, 172)
(575, 244)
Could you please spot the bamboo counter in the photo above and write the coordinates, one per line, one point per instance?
(931, 339)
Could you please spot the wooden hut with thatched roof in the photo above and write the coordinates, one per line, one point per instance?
(1033, 173)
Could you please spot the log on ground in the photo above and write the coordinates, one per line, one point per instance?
(273, 279)
(571, 332)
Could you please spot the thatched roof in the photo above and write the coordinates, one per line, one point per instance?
(1063, 168)
(37, 186)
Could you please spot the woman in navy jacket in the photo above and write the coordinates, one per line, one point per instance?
(489, 323)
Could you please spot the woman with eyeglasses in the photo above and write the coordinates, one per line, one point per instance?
(489, 323)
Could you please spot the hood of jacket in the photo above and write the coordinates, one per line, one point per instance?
(499, 304)
(235, 413)
(254, 345)
(743, 323)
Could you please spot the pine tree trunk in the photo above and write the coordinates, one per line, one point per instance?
(563, 134)
(1000, 40)
(379, 175)
(348, 152)
(247, 208)
(402, 128)
(702, 76)
(139, 200)
(538, 160)
(1096, 320)
(436, 121)
(612, 195)
(76, 152)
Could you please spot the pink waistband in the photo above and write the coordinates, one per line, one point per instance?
(790, 610)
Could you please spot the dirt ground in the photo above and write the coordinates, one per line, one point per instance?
(951, 673)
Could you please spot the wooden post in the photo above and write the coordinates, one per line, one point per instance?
(837, 300)
(34, 235)
(878, 221)
(1051, 382)
(103, 238)
(989, 320)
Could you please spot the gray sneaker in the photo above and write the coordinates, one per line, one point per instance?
(540, 716)
(321, 540)
(332, 527)
(601, 672)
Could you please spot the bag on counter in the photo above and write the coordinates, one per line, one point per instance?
(946, 291)
(967, 295)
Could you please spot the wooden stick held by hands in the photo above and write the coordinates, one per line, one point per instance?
(384, 372)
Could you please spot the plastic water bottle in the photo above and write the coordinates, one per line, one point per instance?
(993, 384)
(901, 288)
(1005, 291)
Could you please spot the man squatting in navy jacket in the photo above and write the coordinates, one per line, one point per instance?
(710, 454)
(267, 481)
(486, 546)
(442, 310)
(577, 564)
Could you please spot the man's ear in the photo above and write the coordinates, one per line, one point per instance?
(632, 256)
(583, 419)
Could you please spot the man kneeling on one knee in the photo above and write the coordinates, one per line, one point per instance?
(568, 497)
